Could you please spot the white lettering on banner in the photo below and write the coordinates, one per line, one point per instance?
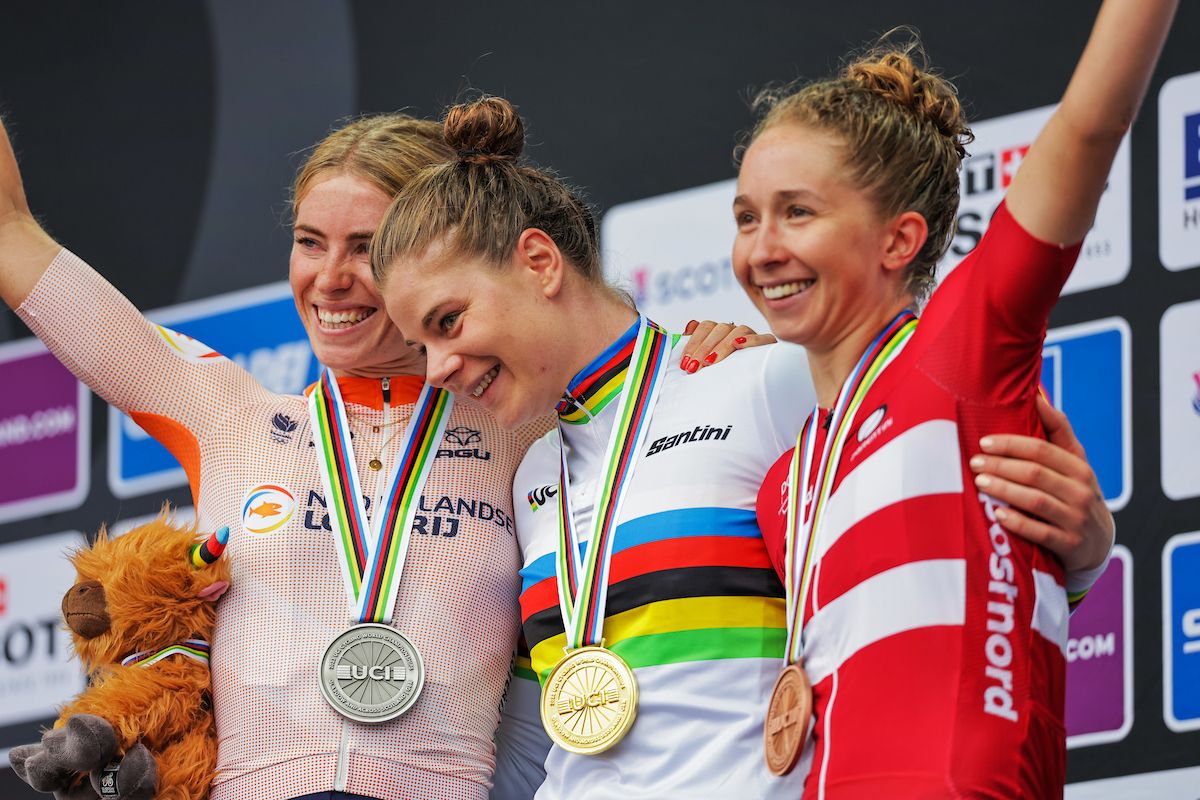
(44, 424)
(1089, 647)
(1191, 631)
(997, 699)
(282, 369)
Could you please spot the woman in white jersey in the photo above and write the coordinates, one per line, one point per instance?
(657, 648)
(251, 461)
(930, 655)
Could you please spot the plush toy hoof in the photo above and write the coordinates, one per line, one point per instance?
(134, 777)
(34, 765)
(85, 743)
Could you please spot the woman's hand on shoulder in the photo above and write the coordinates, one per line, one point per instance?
(712, 342)
(1053, 496)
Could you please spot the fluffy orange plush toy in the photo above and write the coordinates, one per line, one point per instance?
(141, 615)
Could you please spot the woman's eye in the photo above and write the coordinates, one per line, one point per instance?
(306, 241)
(743, 218)
(362, 249)
(449, 321)
(798, 211)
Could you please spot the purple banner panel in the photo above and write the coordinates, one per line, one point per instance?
(1100, 659)
(44, 433)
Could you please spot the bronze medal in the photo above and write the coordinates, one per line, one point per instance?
(788, 714)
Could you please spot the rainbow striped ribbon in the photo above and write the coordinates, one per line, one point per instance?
(801, 561)
(583, 586)
(195, 649)
(373, 550)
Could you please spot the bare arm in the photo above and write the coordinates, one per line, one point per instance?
(25, 249)
(1055, 193)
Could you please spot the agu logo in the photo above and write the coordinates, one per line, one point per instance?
(186, 347)
(267, 508)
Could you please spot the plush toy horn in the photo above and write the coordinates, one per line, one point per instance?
(208, 551)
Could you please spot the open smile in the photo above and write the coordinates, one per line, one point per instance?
(485, 382)
(342, 319)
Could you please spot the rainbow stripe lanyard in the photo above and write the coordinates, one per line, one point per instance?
(802, 561)
(195, 649)
(583, 587)
(372, 565)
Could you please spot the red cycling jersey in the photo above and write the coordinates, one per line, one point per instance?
(933, 638)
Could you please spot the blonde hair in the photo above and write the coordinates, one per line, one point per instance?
(386, 150)
(904, 133)
(480, 203)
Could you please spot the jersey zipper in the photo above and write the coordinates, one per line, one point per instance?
(385, 385)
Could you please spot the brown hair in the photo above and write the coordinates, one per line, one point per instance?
(482, 202)
(904, 134)
(386, 150)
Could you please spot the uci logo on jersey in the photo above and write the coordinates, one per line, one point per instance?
(541, 495)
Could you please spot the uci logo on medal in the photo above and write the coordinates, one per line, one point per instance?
(267, 508)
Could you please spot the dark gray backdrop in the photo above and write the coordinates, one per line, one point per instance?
(158, 139)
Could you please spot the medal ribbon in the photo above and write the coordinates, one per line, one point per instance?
(583, 587)
(195, 649)
(802, 529)
(373, 552)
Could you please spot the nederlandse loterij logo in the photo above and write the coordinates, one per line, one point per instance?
(186, 347)
(267, 508)
(1179, 172)
(541, 495)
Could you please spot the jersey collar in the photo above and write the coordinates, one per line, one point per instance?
(405, 389)
(597, 384)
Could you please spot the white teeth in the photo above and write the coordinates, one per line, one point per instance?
(343, 319)
(786, 289)
(487, 381)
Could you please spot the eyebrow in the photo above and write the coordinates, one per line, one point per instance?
(311, 229)
(785, 194)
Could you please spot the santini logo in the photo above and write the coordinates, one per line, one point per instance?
(541, 495)
(697, 434)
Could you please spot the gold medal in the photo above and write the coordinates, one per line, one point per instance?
(589, 701)
(786, 727)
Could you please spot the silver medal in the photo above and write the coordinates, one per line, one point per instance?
(371, 673)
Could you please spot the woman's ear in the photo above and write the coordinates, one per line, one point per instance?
(539, 256)
(906, 236)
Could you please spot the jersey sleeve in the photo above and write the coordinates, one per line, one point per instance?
(984, 326)
(521, 743)
(172, 386)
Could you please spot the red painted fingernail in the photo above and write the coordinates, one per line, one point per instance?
(693, 365)
(691, 324)
(740, 340)
(683, 362)
(710, 358)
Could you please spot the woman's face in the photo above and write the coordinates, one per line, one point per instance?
(330, 273)
(810, 244)
(489, 333)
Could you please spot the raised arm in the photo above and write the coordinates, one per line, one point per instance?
(1055, 193)
(25, 249)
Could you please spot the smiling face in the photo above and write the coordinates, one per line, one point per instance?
(812, 249)
(330, 273)
(490, 334)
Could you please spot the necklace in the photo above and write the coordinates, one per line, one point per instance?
(376, 462)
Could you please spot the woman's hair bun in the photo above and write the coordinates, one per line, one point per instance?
(485, 130)
(898, 71)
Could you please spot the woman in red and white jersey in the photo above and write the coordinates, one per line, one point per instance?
(932, 638)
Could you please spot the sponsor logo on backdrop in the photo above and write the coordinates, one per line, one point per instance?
(1086, 373)
(1100, 658)
(1179, 400)
(258, 329)
(1000, 146)
(37, 669)
(1181, 632)
(267, 508)
(1179, 172)
(672, 253)
(45, 439)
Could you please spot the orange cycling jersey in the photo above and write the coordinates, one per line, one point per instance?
(247, 453)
